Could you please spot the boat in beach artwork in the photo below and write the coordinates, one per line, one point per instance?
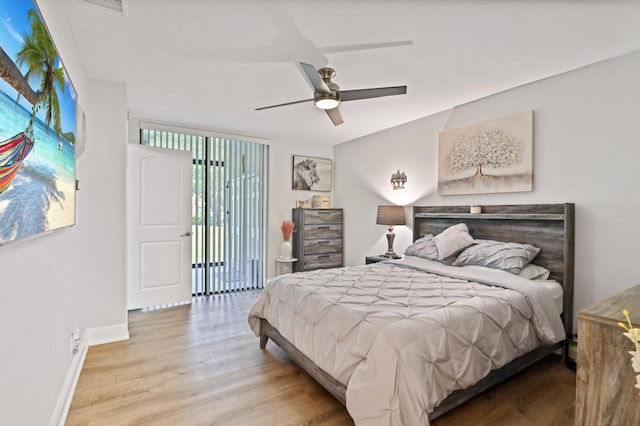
(37, 128)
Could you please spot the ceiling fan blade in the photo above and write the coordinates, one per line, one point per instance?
(352, 47)
(314, 78)
(354, 95)
(335, 116)
(285, 104)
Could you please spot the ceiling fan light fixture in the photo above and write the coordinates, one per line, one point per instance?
(326, 101)
(327, 94)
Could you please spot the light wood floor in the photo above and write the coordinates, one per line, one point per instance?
(200, 364)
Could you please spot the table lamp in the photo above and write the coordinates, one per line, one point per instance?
(390, 216)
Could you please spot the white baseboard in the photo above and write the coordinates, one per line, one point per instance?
(112, 333)
(93, 336)
(61, 409)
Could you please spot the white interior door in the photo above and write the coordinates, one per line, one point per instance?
(158, 226)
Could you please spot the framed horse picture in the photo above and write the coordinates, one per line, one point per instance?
(311, 174)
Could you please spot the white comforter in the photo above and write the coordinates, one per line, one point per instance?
(401, 338)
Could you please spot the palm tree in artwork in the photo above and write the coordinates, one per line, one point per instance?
(10, 73)
(39, 54)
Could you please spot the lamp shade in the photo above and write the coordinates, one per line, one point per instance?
(390, 215)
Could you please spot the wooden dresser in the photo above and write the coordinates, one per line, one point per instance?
(317, 240)
(605, 392)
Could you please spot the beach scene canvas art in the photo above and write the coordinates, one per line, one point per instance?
(37, 127)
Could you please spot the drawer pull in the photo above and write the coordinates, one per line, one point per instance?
(323, 255)
(322, 227)
(323, 242)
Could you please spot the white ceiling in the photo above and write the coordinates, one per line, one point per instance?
(209, 63)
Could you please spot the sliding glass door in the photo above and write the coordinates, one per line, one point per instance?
(229, 196)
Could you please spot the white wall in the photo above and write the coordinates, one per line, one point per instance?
(71, 278)
(42, 301)
(41, 304)
(101, 171)
(281, 197)
(586, 150)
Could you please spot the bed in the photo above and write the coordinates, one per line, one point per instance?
(403, 342)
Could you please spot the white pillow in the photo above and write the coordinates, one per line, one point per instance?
(534, 272)
(452, 240)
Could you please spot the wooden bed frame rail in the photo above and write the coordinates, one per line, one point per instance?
(339, 390)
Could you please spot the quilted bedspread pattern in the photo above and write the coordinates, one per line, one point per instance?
(402, 338)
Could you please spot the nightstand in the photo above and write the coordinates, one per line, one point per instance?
(374, 259)
(285, 266)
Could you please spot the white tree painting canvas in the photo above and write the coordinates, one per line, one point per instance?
(487, 157)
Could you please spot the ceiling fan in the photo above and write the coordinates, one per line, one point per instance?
(327, 94)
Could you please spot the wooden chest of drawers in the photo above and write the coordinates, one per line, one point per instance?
(605, 392)
(317, 241)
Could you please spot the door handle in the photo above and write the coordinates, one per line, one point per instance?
(186, 234)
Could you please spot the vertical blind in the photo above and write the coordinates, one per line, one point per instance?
(228, 219)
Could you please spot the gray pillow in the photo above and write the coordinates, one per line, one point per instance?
(425, 248)
(452, 240)
(511, 257)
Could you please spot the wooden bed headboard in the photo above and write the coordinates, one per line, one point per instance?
(551, 227)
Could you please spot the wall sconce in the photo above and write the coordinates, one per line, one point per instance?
(398, 180)
(390, 216)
